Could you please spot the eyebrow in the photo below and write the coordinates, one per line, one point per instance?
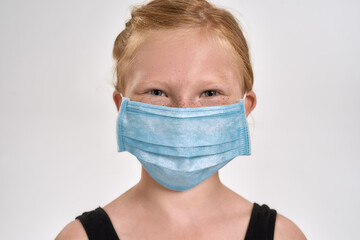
(210, 82)
(215, 84)
(146, 82)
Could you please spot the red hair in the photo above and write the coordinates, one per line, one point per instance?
(176, 14)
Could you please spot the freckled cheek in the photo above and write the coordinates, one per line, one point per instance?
(140, 99)
(223, 100)
(153, 100)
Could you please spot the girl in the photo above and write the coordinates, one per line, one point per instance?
(183, 92)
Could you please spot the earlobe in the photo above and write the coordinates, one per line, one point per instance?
(117, 99)
(250, 102)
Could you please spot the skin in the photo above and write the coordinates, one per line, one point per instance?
(183, 68)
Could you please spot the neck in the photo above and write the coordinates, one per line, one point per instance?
(187, 204)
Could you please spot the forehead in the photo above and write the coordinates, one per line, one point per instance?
(183, 54)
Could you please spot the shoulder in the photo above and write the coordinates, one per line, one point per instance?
(74, 230)
(286, 229)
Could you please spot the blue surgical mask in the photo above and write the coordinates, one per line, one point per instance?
(182, 147)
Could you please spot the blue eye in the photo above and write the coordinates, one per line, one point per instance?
(156, 92)
(210, 93)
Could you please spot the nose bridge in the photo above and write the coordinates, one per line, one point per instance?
(182, 101)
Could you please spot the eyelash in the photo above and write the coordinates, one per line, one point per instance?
(155, 90)
(216, 92)
(152, 90)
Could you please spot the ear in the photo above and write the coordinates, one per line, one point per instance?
(250, 102)
(117, 99)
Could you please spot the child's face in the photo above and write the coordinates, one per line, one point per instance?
(183, 69)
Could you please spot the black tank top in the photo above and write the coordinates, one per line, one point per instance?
(98, 226)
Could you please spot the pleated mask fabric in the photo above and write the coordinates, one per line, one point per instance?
(182, 147)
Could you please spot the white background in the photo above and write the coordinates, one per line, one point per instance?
(57, 120)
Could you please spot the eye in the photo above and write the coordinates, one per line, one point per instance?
(156, 92)
(210, 93)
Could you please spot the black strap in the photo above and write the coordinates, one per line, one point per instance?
(97, 225)
(262, 223)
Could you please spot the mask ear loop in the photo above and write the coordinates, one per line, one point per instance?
(243, 98)
(122, 102)
(251, 124)
(244, 101)
(122, 96)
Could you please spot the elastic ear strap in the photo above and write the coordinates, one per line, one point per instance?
(124, 98)
(244, 102)
(242, 98)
